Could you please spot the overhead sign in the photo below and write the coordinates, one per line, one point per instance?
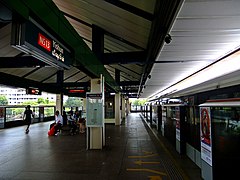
(94, 95)
(33, 91)
(76, 89)
(33, 39)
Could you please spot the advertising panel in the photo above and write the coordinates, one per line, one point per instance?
(205, 134)
(177, 111)
(2, 115)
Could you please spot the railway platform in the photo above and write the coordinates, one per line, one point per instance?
(132, 151)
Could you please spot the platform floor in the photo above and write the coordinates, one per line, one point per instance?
(132, 152)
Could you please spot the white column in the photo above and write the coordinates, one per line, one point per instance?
(117, 109)
(84, 104)
(127, 107)
(95, 135)
(59, 103)
(123, 108)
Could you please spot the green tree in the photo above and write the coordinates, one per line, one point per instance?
(138, 102)
(73, 102)
(41, 101)
(3, 100)
(142, 101)
(32, 103)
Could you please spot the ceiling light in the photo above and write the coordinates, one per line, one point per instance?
(225, 66)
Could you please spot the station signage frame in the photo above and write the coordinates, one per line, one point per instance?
(31, 38)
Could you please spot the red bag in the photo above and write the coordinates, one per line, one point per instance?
(51, 131)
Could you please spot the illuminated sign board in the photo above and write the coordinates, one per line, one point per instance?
(76, 91)
(44, 42)
(34, 91)
(32, 38)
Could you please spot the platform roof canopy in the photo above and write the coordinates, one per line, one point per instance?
(124, 40)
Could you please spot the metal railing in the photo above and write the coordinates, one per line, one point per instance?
(11, 116)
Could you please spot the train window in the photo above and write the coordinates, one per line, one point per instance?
(227, 119)
(191, 115)
(171, 112)
(197, 118)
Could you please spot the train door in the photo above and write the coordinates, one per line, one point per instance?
(173, 125)
(220, 138)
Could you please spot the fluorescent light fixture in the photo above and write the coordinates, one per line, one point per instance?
(225, 66)
(112, 94)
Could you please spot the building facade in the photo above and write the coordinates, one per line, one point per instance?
(17, 96)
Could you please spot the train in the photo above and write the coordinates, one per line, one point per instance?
(205, 126)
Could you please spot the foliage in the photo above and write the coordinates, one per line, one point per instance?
(3, 100)
(48, 111)
(73, 102)
(32, 103)
(40, 101)
(18, 110)
(138, 102)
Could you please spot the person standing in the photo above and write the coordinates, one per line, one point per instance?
(28, 115)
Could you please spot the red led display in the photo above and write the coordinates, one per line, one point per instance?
(44, 42)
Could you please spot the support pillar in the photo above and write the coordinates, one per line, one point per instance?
(98, 41)
(127, 111)
(84, 104)
(123, 109)
(117, 109)
(96, 135)
(59, 97)
(59, 102)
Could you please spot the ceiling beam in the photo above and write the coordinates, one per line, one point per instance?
(129, 83)
(20, 62)
(105, 32)
(15, 81)
(124, 57)
(132, 9)
(56, 22)
(132, 91)
(72, 84)
(29, 73)
(5, 15)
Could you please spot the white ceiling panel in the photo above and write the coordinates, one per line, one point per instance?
(203, 32)
(16, 71)
(110, 18)
(42, 73)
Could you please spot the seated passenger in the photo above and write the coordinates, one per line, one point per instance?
(58, 121)
(72, 123)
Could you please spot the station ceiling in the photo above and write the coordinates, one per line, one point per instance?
(135, 57)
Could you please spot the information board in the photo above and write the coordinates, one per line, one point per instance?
(94, 110)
